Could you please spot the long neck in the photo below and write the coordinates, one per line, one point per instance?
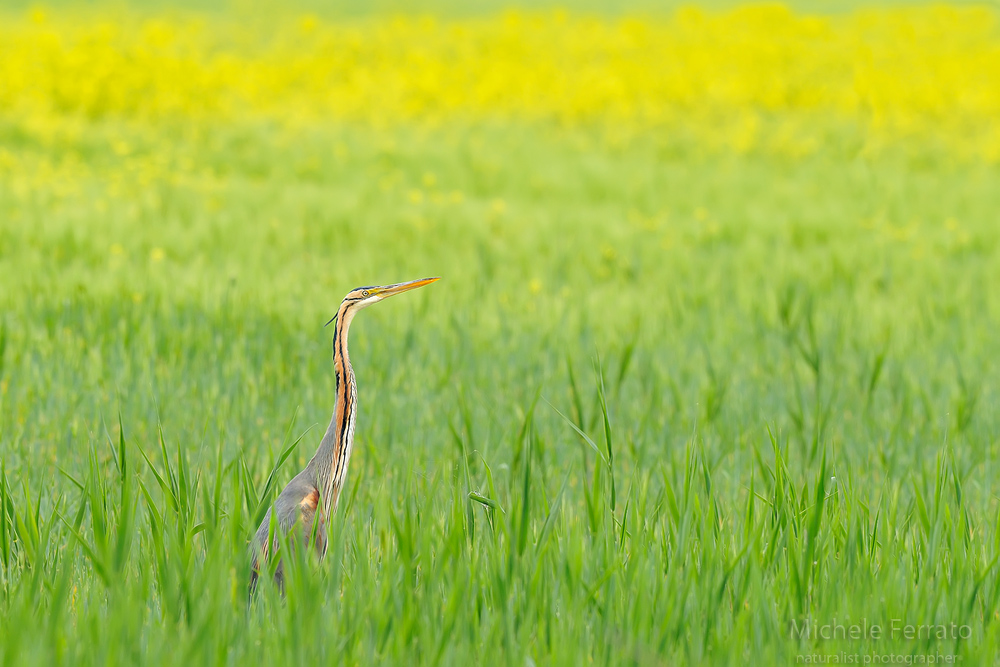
(334, 452)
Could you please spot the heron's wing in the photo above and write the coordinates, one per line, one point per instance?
(298, 517)
(295, 511)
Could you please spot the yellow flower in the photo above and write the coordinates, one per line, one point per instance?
(308, 23)
(749, 78)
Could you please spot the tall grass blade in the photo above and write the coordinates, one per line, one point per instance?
(607, 431)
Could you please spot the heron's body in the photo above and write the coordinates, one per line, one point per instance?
(303, 507)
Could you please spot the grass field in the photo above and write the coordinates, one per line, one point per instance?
(750, 254)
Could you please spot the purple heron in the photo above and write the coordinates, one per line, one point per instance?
(304, 505)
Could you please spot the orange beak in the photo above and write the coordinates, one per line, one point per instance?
(399, 288)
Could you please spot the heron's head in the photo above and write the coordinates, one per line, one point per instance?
(362, 297)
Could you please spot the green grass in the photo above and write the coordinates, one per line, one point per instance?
(777, 382)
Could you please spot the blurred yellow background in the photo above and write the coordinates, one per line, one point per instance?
(756, 77)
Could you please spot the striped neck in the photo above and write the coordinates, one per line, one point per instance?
(334, 453)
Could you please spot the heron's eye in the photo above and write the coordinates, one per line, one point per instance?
(365, 293)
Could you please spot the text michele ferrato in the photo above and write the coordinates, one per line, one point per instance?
(895, 629)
